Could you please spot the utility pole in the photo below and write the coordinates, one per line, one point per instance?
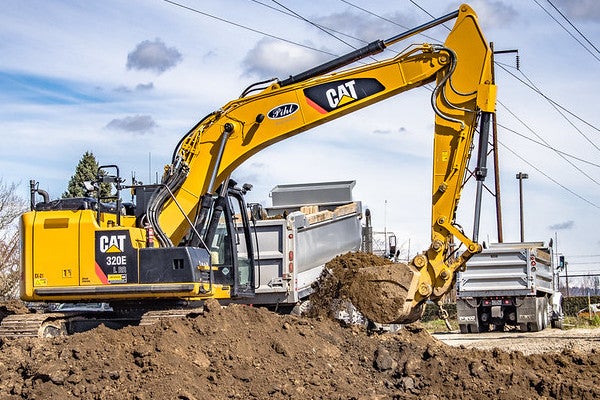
(495, 151)
(520, 177)
(495, 144)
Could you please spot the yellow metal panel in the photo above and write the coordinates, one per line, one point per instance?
(56, 242)
(88, 227)
(26, 231)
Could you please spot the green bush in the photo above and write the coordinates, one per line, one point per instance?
(571, 305)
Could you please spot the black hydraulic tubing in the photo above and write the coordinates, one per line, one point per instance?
(421, 28)
(227, 129)
(370, 49)
(481, 169)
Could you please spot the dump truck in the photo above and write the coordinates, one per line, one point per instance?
(306, 226)
(510, 285)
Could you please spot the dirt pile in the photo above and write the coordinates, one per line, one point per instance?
(242, 352)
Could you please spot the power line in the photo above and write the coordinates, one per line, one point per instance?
(504, 67)
(543, 140)
(566, 30)
(573, 26)
(247, 27)
(549, 177)
(385, 19)
(421, 8)
(558, 111)
(414, 3)
(313, 24)
(549, 147)
(290, 14)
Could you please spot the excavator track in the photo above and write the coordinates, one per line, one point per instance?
(33, 325)
(62, 324)
(152, 317)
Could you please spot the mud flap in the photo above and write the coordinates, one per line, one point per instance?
(385, 294)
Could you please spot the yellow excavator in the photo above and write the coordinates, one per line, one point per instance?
(189, 238)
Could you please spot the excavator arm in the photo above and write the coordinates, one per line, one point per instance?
(464, 93)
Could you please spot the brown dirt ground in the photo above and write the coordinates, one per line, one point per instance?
(243, 352)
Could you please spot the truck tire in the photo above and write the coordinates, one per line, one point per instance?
(468, 328)
(546, 316)
(557, 323)
(538, 325)
(523, 327)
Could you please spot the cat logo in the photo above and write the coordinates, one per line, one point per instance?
(112, 243)
(341, 95)
(333, 95)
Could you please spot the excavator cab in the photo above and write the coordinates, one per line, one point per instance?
(227, 236)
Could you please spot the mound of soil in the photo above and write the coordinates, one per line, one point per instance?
(244, 352)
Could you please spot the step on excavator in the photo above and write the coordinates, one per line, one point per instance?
(189, 238)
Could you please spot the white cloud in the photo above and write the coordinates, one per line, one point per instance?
(134, 124)
(495, 14)
(562, 226)
(365, 26)
(154, 56)
(271, 58)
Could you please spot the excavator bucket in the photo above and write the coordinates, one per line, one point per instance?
(385, 294)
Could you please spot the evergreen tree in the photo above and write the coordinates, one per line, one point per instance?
(86, 170)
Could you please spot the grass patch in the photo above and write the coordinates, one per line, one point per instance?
(438, 325)
(579, 322)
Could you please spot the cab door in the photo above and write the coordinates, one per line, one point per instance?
(228, 238)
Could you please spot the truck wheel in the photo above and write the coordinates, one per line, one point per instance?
(546, 318)
(538, 325)
(558, 323)
(523, 327)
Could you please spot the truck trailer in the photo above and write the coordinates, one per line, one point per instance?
(307, 225)
(510, 285)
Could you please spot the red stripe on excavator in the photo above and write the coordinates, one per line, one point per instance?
(316, 106)
(100, 274)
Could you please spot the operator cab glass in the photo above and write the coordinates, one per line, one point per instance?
(231, 248)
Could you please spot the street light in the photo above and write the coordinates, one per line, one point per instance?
(520, 177)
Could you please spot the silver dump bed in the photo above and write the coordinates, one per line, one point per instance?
(307, 226)
(508, 269)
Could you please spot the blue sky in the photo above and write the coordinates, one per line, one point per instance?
(126, 80)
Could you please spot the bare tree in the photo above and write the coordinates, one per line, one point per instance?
(11, 206)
